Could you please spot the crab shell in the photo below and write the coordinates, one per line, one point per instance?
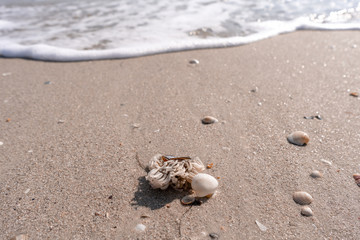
(177, 174)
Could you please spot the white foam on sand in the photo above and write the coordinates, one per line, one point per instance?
(265, 30)
(66, 30)
(6, 25)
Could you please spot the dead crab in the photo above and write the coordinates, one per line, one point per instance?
(176, 172)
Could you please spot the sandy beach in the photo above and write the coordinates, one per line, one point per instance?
(77, 136)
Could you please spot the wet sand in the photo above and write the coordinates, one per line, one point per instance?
(77, 137)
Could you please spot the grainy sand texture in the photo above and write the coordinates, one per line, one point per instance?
(76, 138)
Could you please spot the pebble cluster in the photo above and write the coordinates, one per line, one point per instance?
(303, 198)
(205, 185)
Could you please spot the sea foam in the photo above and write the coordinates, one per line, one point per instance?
(64, 30)
(51, 53)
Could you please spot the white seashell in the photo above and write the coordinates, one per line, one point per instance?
(20, 237)
(204, 184)
(209, 120)
(316, 174)
(298, 138)
(306, 211)
(326, 162)
(6, 74)
(302, 198)
(140, 227)
(261, 226)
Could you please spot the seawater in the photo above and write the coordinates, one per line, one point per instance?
(67, 30)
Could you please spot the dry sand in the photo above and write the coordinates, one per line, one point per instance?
(71, 160)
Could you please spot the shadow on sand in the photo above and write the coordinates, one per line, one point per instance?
(154, 199)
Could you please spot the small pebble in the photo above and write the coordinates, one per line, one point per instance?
(8, 120)
(306, 211)
(61, 121)
(256, 89)
(261, 226)
(298, 138)
(318, 117)
(312, 117)
(145, 216)
(27, 191)
(293, 224)
(302, 198)
(203, 234)
(356, 176)
(47, 83)
(136, 125)
(209, 120)
(1, 143)
(198, 202)
(315, 174)
(194, 61)
(20, 237)
(188, 199)
(209, 166)
(6, 74)
(140, 227)
(354, 94)
(214, 235)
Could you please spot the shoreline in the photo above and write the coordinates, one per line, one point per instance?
(70, 149)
